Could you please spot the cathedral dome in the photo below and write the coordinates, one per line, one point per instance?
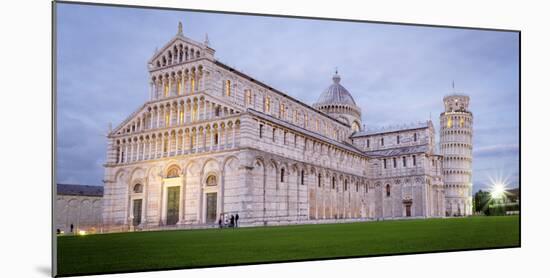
(335, 94)
(338, 103)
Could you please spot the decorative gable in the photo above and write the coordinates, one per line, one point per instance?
(180, 49)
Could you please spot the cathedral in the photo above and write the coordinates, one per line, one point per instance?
(212, 141)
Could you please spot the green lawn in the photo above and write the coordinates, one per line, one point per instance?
(196, 248)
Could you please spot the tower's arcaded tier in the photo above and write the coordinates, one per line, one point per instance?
(456, 147)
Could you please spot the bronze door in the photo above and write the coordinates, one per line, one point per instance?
(137, 212)
(211, 207)
(173, 205)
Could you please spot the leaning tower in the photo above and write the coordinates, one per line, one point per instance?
(455, 145)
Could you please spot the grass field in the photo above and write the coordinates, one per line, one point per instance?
(195, 248)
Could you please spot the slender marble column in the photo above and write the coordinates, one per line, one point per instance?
(125, 156)
(176, 151)
(137, 151)
(168, 148)
(170, 117)
(197, 141)
(156, 147)
(178, 114)
(119, 156)
(211, 139)
(185, 109)
(187, 85)
(163, 140)
(198, 118)
(131, 151)
(158, 117)
(183, 142)
(203, 139)
(170, 85)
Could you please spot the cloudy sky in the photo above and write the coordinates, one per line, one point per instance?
(397, 74)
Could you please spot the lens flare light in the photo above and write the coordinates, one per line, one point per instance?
(498, 190)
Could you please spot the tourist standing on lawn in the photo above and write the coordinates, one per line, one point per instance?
(237, 220)
(232, 221)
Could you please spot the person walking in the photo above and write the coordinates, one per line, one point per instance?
(237, 220)
(232, 221)
(220, 222)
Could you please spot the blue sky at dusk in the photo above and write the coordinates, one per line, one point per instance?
(397, 74)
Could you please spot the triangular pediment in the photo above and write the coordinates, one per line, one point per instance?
(177, 42)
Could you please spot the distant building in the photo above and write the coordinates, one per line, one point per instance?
(80, 206)
(212, 141)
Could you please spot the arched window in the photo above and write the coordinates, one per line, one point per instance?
(267, 105)
(319, 180)
(302, 177)
(283, 175)
(415, 137)
(248, 96)
(261, 130)
(394, 162)
(227, 87)
(388, 190)
(398, 137)
(345, 185)
(138, 188)
(211, 180)
(333, 182)
(382, 142)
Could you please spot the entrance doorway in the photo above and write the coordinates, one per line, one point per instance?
(137, 212)
(211, 207)
(408, 210)
(173, 205)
